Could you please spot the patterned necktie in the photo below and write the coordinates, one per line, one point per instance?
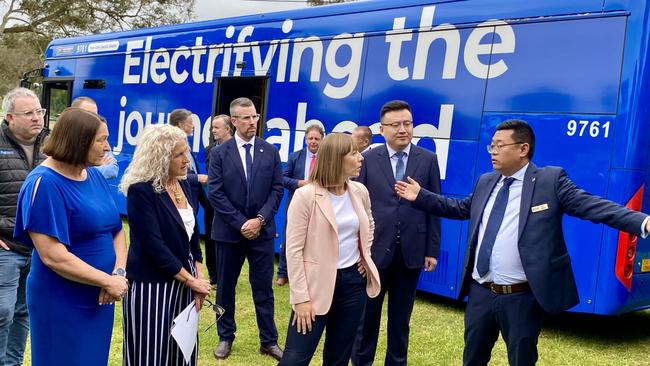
(400, 168)
(311, 163)
(492, 227)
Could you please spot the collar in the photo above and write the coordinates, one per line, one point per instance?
(309, 153)
(392, 152)
(519, 175)
(241, 142)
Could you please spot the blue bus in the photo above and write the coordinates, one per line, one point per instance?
(575, 70)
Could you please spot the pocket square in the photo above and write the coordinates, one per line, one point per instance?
(539, 208)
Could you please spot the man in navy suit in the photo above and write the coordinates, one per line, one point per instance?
(182, 118)
(245, 189)
(516, 262)
(406, 239)
(296, 174)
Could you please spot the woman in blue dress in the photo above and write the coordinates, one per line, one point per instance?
(66, 212)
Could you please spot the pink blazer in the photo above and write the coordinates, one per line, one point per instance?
(313, 246)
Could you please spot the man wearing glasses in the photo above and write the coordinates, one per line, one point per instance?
(245, 188)
(21, 135)
(406, 239)
(516, 262)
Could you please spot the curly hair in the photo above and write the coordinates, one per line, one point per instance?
(152, 157)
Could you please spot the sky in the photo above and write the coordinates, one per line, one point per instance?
(214, 9)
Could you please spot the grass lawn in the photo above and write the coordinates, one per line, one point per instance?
(436, 335)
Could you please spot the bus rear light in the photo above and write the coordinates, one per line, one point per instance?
(626, 251)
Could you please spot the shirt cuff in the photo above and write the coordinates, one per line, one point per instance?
(644, 233)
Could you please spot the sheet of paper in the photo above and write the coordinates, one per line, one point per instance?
(184, 330)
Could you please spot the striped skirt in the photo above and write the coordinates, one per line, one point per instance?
(149, 310)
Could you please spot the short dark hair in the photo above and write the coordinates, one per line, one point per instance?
(521, 132)
(72, 136)
(393, 106)
(178, 116)
(367, 132)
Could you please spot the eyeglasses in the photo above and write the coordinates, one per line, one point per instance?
(492, 149)
(254, 117)
(396, 125)
(31, 114)
(218, 310)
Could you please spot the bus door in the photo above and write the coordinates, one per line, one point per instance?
(228, 89)
(57, 95)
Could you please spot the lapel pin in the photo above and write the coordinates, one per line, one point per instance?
(533, 179)
(261, 150)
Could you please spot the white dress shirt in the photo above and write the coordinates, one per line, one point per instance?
(242, 151)
(394, 159)
(308, 156)
(505, 263)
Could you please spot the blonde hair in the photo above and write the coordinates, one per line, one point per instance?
(328, 168)
(152, 157)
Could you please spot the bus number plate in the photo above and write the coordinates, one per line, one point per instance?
(645, 265)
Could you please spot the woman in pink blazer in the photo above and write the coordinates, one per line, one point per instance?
(329, 234)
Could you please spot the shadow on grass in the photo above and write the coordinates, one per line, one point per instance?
(621, 329)
(626, 328)
(441, 302)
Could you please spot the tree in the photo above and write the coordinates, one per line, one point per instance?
(64, 18)
(27, 26)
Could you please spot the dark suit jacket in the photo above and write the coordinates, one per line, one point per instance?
(196, 188)
(159, 244)
(227, 189)
(294, 172)
(542, 248)
(419, 231)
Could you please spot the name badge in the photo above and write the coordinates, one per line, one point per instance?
(539, 208)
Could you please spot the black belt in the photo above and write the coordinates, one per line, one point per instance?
(506, 289)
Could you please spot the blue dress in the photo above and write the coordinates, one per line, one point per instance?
(67, 325)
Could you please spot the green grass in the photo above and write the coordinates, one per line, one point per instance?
(436, 335)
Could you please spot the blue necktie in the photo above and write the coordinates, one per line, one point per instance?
(400, 168)
(492, 227)
(249, 169)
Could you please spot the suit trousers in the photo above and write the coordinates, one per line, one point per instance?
(518, 316)
(230, 258)
(210, 246)
(400, 282)
(341, 322)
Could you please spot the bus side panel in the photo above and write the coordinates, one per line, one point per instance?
(611, 296)
(562, 66)
(565, 80)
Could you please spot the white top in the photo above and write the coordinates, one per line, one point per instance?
(242, 151)
(308, 156)
(347, 223)
(505, 263)
(187, 215)
(394, 158)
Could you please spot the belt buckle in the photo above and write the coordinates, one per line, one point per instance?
(500, 289)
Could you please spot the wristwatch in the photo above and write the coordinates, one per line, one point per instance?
(119, 272)
(262, 219)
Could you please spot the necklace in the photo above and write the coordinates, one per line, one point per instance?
(178, 196)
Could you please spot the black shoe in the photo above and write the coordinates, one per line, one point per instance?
(223, 350)
(273, 351)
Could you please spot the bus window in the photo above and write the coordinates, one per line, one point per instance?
(56, 97)
(231, 88)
